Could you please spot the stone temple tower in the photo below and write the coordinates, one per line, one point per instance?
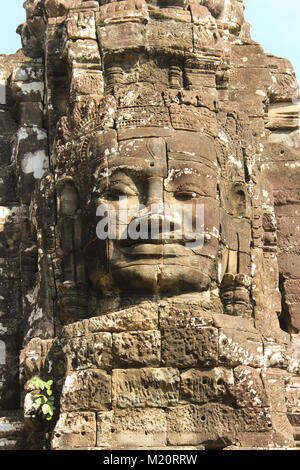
(158, 342)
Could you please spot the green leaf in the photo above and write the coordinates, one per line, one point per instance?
(38, 402)
(35, 383)
(44, 401)
(46, 409)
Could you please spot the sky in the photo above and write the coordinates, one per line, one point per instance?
(275, 25)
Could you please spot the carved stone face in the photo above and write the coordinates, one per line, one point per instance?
(167, 173)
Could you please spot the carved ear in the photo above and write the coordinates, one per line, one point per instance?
(68, 197)
(239, 199)
(235, 198)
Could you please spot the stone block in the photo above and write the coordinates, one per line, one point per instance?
(30, 92)
(74, 430)
(240, 348)
(234, 323)
(89, 352)
(29, 71)
(81, 25)
(251, 419)
(203, 37)
(86, 390)
(212, 425)
(282, 430)
(183, 316)
(252, 78)
(294, 312)
(9, 382)
(294, 419)
(83, 52)
(275, 385)
(31, 114)
(186, 145)
(12, 443)
(206, 386)
(254, 440)
(140, 348)
(32, 157)
(86, 82)
(5, 150)
(140, 428)
(34, 357)
(169, 34)
(7, 185)
(12, 424)
(292, 401)
(287, 235)
(190, 347)
(123, 11)
(263, 420)
(292, 290)
(252, 52)
(147, 387)
(249, 388)
(113, 37)
(10, 238)
(248, 102)
(275, 354)
(141, 317)
(105, 428)
(294, 364)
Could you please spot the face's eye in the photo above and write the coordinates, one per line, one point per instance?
(185, 195)
(115, 191)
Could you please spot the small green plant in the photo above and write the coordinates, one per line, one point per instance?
(44, 402)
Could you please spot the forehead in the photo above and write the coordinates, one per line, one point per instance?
(155, 152)
(191, 146)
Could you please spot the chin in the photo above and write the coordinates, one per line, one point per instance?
(160, 279)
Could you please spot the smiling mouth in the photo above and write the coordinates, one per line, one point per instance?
(169, 247)
(160, 241)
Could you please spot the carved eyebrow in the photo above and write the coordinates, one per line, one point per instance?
(193, 181)
(190, 158)
(118, 172)
(121, 183)
(179, 185)
(118, 177)
(108, 182)
(107, 172)
(183, 173)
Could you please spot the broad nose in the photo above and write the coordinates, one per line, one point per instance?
(155, 191)
(161, 218)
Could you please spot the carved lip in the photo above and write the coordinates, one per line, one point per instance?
(170, 241)
(171, 248)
